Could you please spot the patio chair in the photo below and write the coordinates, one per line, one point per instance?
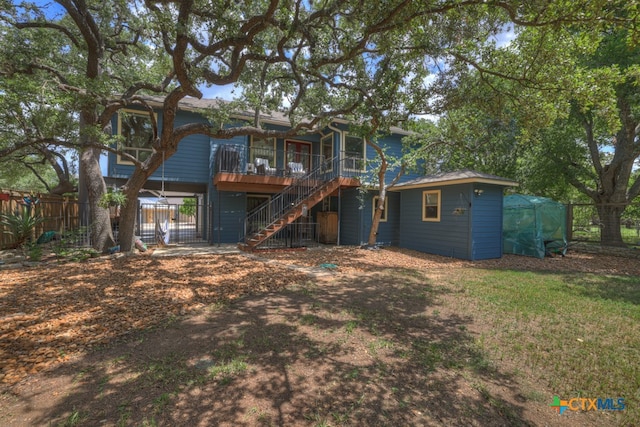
(296, 169)
(263, 168)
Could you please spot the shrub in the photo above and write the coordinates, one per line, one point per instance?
(20, 225)
(113, 198)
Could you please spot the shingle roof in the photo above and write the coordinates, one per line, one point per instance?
(457, 177)
(273, 117)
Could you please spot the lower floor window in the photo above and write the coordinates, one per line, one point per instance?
(383, 217)
(431, 205)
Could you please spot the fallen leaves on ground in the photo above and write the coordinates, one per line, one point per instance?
(355, 260)
(52, 312)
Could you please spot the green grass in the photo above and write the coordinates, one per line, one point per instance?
(74, 419)
(350, 326)
(161, 402)
(580, 333)
(124, 409)
(230, 367)
(229, 362)
(377, 344)
(308, 319)
(171, 369)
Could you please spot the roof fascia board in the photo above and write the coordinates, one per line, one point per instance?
(455, 182)
(237, 116)
(394, 129)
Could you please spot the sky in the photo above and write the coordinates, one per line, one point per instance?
(223, 92)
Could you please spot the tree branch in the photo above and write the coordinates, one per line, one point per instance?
(587, 124)
(37, 175)
(49, 25)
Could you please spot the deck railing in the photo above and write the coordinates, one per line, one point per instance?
(240, 159)
(232, 158)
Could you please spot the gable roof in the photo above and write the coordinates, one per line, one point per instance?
(273, 117)
(464, 176)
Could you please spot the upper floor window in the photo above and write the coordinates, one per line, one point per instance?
(136, 130)
(263, 148)
(431, 205)
(354, 153)
(383, 217)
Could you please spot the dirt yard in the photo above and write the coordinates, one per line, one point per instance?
(321, 337)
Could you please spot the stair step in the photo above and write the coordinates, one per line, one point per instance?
(317, 194)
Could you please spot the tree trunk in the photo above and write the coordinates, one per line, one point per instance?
(612, 193)
(377, 215)
(94, 185)
(610, 234)
(128, 215)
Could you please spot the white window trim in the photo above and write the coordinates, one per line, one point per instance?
(119, 159)
(422, 203)
(364, 152)
(322, 141)
(374, 204)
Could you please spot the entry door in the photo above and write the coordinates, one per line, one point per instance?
(299, 152)
(255, 201)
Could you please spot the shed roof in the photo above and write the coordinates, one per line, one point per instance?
(464, 176)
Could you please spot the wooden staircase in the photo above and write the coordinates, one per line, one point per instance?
(289, 216)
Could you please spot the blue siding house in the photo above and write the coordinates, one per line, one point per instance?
(456, 214)
(288, 192)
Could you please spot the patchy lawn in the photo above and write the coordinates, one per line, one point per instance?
(386, 337)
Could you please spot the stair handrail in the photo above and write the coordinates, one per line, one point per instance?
(292, 196)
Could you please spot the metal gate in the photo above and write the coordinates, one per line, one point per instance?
(167, 223)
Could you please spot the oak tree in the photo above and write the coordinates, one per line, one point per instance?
(315, 60)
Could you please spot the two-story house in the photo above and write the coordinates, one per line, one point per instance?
(271, 192)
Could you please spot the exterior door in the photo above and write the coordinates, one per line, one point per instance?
(254, 201)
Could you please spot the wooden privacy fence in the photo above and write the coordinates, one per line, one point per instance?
(60, 214)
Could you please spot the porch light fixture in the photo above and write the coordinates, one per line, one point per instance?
(478, 192)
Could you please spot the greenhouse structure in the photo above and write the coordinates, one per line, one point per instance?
(533, 226)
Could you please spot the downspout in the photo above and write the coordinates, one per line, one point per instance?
(340, 133)
(339, 211)
(470, 228)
